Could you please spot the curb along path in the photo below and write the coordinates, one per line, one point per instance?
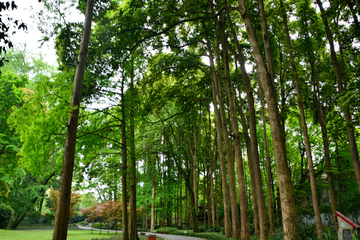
(164, 236)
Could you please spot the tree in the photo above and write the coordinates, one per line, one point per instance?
(319, 225)
(60, 231)
(75, 200)
(291, 230)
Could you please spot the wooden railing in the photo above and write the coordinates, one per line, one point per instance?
(346, 227)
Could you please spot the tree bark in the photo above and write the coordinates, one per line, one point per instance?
(227, 223)
(132, 222)
(124, 166)
(181, 203)
(268, 167)
(289, 216)
(230, 164)
(250, 146)
(266, 39)
(260, 199)
(152, 220)
(63, 209)
(322, 120)
(245, 226)
(251, 168)
(213, 213)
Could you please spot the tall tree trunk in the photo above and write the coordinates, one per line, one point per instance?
(245, 226)
(146, 220)
(124, 165)
(322, 120)
(268, 167)
(227, 223)
(266, 39)
(192, 213)
(186, 209)
(204, 194)
(346, 110)
(251, 167)
(289, 216)
(230, 164)
(315, 200)
(132, 222)
(216, 198)
(250, 146)
(63, 209)
(181, 203)
(260, 199)
(152, 221)
(211, 183)
(193, 146)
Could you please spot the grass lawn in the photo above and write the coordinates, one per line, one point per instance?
(47, 234)
(46, 227)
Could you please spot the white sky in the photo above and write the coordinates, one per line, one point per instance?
(31, 37)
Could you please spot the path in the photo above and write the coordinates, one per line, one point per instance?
(164, 236)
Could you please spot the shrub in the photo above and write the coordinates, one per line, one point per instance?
(330, 233)
(166, 230)
(6, 214)
(209, 228)
(278, 234)
(49, 217)
(210, 236)
(105, 226)
(307, 231)
(77, 219)
(101, 225)
(111, 238)
(34, 217)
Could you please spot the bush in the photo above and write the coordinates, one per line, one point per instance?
(49, 217)
(210, 236)
(166, 230)
(34, 217)
(105, 226)
(6, 214)
(330, 233)
(307, 231)
(77, 219)
(278, 234)
(111, 238)
(101, 225)
(209, 228)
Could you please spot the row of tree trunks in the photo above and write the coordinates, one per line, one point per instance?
(315, 200)
(225, 191)
(289, 216)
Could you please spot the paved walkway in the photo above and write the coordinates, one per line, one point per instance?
(164, 236)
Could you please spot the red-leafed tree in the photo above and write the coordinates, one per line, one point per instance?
(75, 199)
(111, 211)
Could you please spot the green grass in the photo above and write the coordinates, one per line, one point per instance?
(72, 235)
(46, 227)
(47, 234)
